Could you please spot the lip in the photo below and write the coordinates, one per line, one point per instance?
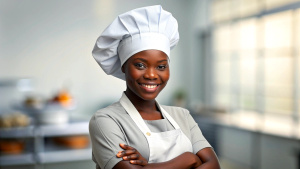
(149, 87)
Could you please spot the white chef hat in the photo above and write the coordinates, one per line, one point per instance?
(134, 31)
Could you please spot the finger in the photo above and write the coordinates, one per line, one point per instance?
(120, 154)
(131, 157)
(129, 152)
(138, 162)
(126, 153)
(125, 147)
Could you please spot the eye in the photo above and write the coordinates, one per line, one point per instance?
(140, 65)
(161, 67)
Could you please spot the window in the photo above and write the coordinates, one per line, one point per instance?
(256, 56)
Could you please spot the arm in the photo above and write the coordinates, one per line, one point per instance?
(209, 159)
(132, 156)
(206, 155)
(105, 140)
(186, 160)
(201, 146)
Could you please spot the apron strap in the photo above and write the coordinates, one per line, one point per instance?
(135, 115)
(171, 120)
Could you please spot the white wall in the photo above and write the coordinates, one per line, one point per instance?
(51, 42)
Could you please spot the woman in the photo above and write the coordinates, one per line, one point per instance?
(137, 132)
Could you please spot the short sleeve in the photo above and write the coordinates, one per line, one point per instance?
(106, 135)
(198, 140)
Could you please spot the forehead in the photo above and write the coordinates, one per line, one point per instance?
(150, 55)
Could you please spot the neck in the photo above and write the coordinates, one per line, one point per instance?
(140, 104)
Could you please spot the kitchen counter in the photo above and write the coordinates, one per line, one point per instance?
(269, 124)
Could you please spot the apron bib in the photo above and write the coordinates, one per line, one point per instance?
(163, 146)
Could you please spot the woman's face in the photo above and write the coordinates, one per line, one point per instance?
(147, 73)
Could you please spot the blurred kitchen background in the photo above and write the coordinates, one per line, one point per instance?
(236, 68)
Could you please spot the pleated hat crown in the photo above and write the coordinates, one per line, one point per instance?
(134, 31)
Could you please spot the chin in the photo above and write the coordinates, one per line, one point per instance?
(148, 96)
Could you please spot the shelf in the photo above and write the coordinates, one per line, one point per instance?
(17, 159)
(267, 124)
(73, 128)
(66, 155)
(46, 157)
(19, 132)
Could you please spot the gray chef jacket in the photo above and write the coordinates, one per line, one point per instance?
(112, 125)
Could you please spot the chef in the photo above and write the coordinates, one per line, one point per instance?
(136, 131)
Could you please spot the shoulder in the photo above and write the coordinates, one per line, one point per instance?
(110, 113)
(176, 112)
(112, 110)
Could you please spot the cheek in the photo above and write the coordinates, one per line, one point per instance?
(132, 74)
(167, 75)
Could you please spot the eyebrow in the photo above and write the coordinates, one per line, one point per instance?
(144, 60)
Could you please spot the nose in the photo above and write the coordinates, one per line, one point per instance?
(151, 74)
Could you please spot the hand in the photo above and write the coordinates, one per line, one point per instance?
(132, 155)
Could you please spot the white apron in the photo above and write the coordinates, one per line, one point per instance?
(163, 146)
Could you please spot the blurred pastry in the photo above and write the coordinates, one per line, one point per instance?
(14, 120)
(76, 142)
(11, 146)
(32, 102)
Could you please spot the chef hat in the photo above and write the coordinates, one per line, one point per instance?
(134, 31)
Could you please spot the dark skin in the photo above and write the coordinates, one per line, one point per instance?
(147, 73)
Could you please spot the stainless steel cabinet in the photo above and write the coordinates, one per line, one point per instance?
(41, 152)
(244, 149)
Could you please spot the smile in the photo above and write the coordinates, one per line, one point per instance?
(149, 86)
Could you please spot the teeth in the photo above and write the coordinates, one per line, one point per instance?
(149, 86)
